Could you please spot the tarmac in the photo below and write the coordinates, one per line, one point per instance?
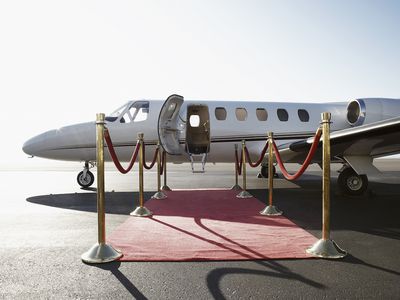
(47, 222)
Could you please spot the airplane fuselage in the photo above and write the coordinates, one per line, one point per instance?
(361, 130)
(252, 120)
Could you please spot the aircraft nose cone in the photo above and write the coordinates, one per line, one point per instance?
(28, 146)
(35, 146)
(32, 146)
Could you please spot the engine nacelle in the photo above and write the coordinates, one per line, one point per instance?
(369, 110)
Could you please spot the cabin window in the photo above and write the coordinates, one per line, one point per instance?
(170, 110)
(262, 114)
(194, 121)
(282, 114)
(303, 115)
(241, 114)
(220, 113)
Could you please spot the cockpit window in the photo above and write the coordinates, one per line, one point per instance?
(117, 112)
(131, 112)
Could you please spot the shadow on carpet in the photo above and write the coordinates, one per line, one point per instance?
(209, 225)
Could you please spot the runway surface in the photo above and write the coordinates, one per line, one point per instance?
(47, 222)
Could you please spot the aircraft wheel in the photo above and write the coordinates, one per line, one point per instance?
(351, 183)
(264, 171)
(85, 181)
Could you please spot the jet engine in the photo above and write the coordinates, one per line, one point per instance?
(369, 110)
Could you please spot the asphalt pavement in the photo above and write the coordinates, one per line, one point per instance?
(47, 222)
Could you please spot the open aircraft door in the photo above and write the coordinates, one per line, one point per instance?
(198, 134)
(169, 125)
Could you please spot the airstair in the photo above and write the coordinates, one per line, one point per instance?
(196, 159)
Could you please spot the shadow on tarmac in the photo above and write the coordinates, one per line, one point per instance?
(113, 267)
(356, 261)
(120, 203)
(374, 213)
(275, 269)
(215, 276)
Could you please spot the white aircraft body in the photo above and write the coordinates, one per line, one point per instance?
(200, 131)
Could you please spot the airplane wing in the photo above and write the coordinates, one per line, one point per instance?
(367, 141)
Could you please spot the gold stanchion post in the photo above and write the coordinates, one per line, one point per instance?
(325, 247)
(160, 194)
(100, 252)
(270, 210)
(165, 186)
(141, 210)
(236, 187)
(244, 193)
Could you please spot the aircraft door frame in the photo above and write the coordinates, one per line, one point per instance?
(168, 125)
(198, 129)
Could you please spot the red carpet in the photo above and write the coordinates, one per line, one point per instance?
(209, 225)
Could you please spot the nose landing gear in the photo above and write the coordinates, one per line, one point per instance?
(85, 178)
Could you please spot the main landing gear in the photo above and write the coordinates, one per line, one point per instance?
(85, 178)
(264, 171)
(351, 183)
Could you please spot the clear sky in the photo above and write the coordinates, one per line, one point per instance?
(63, 61)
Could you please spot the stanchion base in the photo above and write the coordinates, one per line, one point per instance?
(166, 188)
(271, 210)
(159, 195)
(100, 253)
(141, 212)
(244, 194)
(326, 249)
(236, 187)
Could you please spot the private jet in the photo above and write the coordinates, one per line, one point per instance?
(198, 131)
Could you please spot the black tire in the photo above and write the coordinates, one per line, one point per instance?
(87, 181)
(264, 171)
(350, 183)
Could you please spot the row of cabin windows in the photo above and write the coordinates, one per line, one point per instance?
(261, 113)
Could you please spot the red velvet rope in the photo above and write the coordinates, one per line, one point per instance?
(114, 155)
(258, 162)
(238, 164)
(153, 161)
(306, 162)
